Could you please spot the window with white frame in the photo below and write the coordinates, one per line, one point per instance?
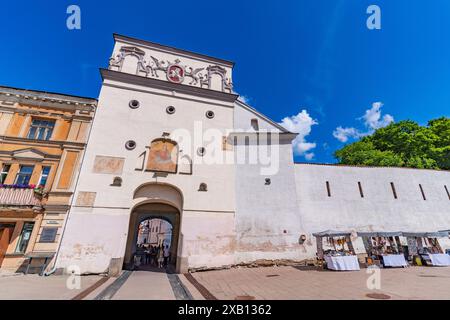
(4, 173)
(24, 175)
(44, 176)
(41, 129)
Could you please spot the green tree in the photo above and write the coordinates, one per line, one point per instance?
(403, 144)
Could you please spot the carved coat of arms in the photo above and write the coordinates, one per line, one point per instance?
(175, 72)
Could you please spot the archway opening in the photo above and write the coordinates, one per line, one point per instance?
(153, 238)
(153, 244)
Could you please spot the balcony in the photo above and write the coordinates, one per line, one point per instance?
(21, 196)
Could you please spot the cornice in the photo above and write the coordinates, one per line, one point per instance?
(42, 143)
(78, 116)
(47, 99)
(166, 85)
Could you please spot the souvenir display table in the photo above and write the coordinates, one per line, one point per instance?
(426, 245)
(339, 254)
(342, 263)
(394, 260)
(385, 246)
(439, 259)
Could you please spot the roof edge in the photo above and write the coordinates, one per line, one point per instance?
(173, 49)
(54, 95)
(272, 122)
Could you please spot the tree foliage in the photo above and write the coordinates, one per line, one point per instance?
(402, 144)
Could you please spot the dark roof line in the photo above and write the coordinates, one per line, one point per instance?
(46, 92)
(176, 50)
(272, 122)
(364, 166)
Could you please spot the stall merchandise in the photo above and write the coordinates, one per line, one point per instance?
(426, 246)
(340, 254)
(385, 247)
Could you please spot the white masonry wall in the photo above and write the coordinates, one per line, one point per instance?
(378, 210)
(268, 225)
(98, 233)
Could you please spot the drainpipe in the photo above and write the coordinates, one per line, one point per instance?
(53, 269)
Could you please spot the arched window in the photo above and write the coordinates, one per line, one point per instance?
(185, 165)
(254, 124)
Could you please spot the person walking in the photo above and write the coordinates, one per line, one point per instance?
(153, 256)
(166, 255)
(160, 257)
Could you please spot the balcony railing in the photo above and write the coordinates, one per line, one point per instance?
(22, 196)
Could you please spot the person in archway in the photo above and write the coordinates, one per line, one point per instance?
(166, 255)
(153, 259)
(160, 257)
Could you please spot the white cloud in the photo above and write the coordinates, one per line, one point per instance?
(309, 156)
(301, 124)
(372, 120)
(343, 134)
(372, 117)
(244, 99)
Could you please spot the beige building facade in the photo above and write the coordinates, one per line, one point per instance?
(42, 140)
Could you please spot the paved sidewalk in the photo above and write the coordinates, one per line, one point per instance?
(145, 285)
(35, 287)
(308, 283)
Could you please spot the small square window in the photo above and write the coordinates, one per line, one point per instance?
(48, 234)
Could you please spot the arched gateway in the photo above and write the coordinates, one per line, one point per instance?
(155, 201)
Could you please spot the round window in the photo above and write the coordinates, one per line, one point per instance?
(130, 145)
(201, 151)
(134, 104)
(170, 109)
(209, 114)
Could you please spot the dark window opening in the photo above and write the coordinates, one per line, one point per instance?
(393, 190)
(48, 234)
(423, 193)
(328, 189)
(361, 193)
(254, 124)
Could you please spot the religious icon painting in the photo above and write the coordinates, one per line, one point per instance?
(163, 156)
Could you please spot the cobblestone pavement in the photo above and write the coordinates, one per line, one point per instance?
(309, 283)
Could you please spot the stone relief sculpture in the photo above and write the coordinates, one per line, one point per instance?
(158, 66)
(123, 53)
(200, 77)
(193, 74)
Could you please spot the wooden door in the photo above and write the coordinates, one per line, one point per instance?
(5, 238)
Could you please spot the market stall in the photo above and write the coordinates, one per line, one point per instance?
(427, 247)
(384, 247)
(337, 251)
(447, 251)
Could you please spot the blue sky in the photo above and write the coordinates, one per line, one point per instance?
(290, 56)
